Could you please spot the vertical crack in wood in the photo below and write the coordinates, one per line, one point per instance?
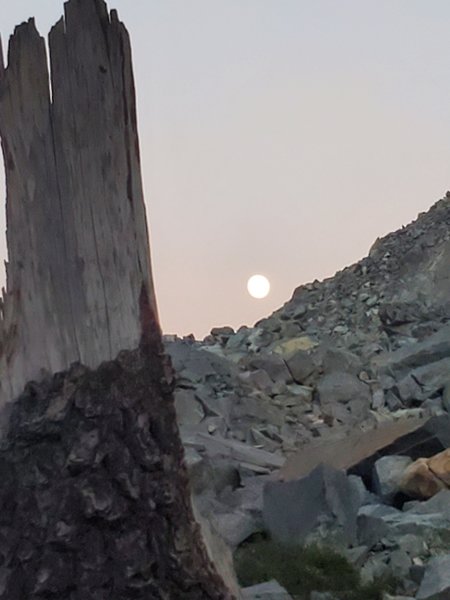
(76, 224)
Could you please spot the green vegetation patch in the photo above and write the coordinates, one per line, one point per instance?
(300, 570)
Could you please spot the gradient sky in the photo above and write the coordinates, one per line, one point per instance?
(278, 137)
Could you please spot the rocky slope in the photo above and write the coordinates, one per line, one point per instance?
(359, 359)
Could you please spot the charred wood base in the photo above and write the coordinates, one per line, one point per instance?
(94, 502)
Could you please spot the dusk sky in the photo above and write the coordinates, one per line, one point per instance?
(278, 137)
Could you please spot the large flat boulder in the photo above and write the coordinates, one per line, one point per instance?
(359, 449)
(427, 439)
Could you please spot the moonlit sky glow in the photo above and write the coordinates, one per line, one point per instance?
(277, 136)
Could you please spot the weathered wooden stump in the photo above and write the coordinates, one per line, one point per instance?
(78, 280)
(94, 500)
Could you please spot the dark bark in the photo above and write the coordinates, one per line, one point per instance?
(93, 501)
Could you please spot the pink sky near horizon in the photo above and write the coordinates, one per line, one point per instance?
(278, 137)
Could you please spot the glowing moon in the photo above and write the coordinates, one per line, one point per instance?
(258, 286)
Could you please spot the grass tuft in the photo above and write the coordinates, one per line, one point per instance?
(300, 570)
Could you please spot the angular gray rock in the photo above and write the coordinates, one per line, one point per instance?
(235, 527)
(237, 451)
(300, 365)
(189, 410)
(271, 590)
(338, 359)
(387, 475)
(436, 581)
(344, 397)
(414, 438)
(273, 365)
(213, 475)
(325, 503)
(423, 382)
(438, 504)
(380, 521)
(413, 356)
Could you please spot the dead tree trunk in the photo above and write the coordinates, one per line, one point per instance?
(94, 499)
(79, 274)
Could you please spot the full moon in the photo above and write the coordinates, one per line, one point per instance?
(258, 286)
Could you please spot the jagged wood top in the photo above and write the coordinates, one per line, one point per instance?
(79, 283)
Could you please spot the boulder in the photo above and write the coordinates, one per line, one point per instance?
(378, 399)
(378, 522)
(438, 504)
(197, 364)
(287, 347)
(248, 497)
(400, 362)
(218, 551)
(188, 408)
(436, 581)
(273, 365)
(399, 313)
(300, 365)
(359, 449)
(222, 333)
(413, 545)
(215, 404)
(371, 523)
(427, 476)
(408, 437)
(323, 504)
(259, 380)
(237, 452)
(387, 475)
(423, 382)
(419, 481)
(357, 556)
(400, 563)
(206, 474)
(376, 567)
(237, 344)
(235, 527)
(270, 590)
(340, 386)
(337, 359)
(344, 397)
(440, 466)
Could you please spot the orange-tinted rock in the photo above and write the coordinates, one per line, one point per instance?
(419, 481)
(440, 465)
